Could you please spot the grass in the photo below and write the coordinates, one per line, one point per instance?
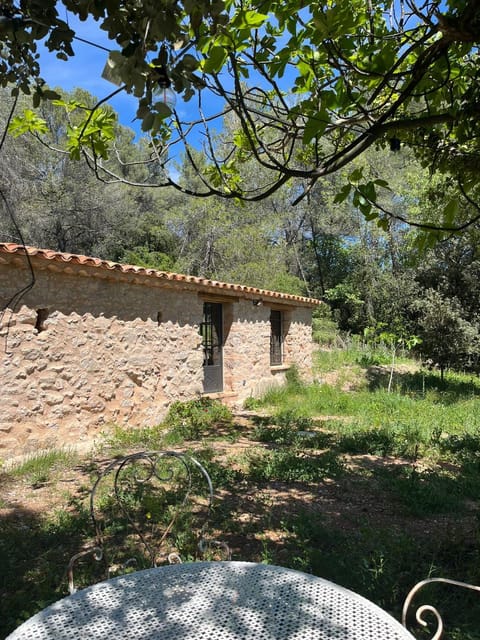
(405, 422)
(39, 469)
(292, 465)
(370, 489)
(185, 422)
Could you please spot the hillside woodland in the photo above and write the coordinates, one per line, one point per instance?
(387, 281)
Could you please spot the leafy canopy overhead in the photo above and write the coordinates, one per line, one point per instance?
(309, 85)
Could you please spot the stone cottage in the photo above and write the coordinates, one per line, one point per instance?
(87, 343)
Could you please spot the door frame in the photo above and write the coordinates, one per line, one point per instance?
(211, 330)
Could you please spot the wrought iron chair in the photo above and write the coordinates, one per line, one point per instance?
(426, 609)
(147, 509)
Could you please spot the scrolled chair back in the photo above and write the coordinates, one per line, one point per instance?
(150, 508)
(426, 615)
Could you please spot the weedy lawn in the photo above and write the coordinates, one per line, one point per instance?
(374, 490)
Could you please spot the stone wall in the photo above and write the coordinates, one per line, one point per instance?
(247, 347)
(82, 373)
(85, 349)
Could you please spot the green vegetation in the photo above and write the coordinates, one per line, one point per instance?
(185, 421)
(385, 286)
(38, 469)
(372, 489)
(324, 328)
(191, 420)
(341, 78)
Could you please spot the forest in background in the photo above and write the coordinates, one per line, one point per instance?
(384, 279)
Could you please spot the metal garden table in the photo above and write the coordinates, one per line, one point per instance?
(213, 601)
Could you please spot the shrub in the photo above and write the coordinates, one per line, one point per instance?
(252, 403)
(292, 419)
(293, 378)
(190, 420)
(287, 465)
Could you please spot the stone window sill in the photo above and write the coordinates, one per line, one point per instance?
(279, 367)
(218, 395)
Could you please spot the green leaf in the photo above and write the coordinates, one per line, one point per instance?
(162, 110)
(343, 193)
(314, 128)
(248, 19)
(29, 122)
(189, 62)
(369, 191)
(215, 60)
(241, 140)
(367, 211)
(450, 211)
(356, 175)
(383, 223)
(48, 94)
(95, 132)
(147, 121)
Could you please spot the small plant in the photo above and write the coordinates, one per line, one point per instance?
(251, 403)
(267, 555)
(279, 435)
(192, 419)
(223, 475)
(394, 343)
(380, 442)
(292, 419)
(293, 379)
(288, 429)
(120, 439)
(294, 466)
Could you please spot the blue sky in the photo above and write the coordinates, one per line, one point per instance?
(85, 69)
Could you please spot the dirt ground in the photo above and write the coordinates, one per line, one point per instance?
(342, 501)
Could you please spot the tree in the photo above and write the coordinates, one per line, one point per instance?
(58, 203)
(446, 309)
(220, 240)
(312, 85)
(448, 339)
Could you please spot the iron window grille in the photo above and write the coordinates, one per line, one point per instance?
(211, 332)
(276, 337)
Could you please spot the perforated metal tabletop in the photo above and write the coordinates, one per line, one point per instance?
(213, 601)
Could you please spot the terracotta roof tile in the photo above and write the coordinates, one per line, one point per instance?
(57, 256)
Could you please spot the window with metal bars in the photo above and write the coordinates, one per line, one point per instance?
(211, 332)
(276, 337)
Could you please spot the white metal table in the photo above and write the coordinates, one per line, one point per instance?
(213, 601)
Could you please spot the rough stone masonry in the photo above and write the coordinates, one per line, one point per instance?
(93, 343)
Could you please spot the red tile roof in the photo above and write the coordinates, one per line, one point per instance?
(57, 256)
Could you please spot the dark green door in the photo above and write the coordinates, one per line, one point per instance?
(211, 330)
